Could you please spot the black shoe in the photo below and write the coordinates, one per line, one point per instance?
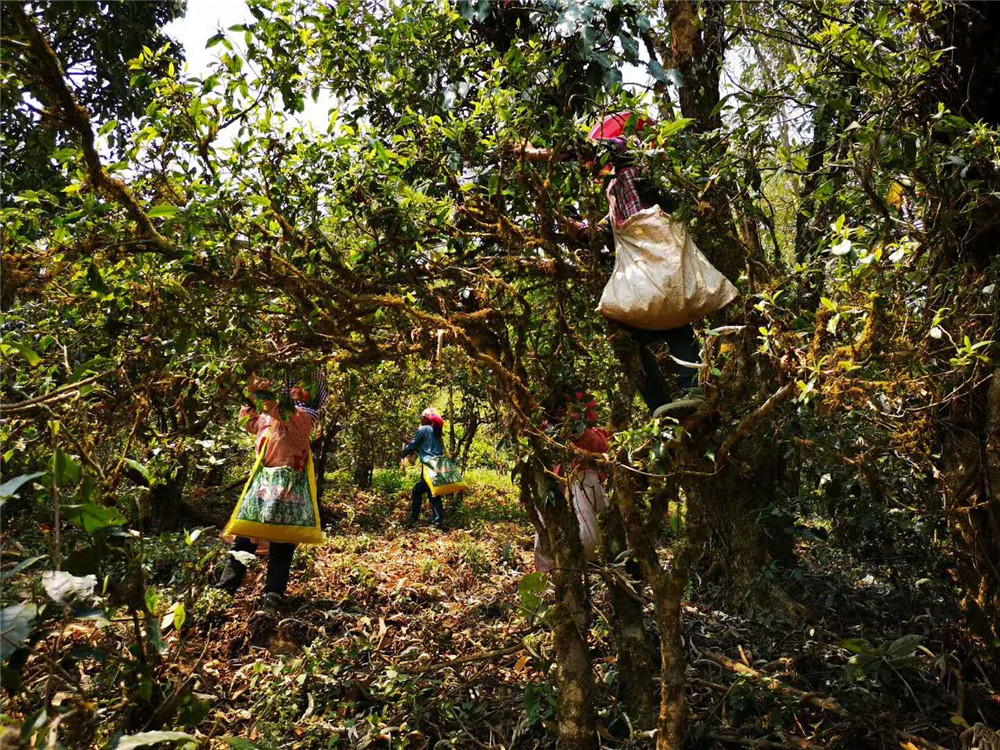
(270, 601)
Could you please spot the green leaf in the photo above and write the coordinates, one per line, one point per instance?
(29, 354)
(658, 71)
(152, 598)
(21, 566)
(904, 647)
(162, 211)
(673, 127)
(530, 590)
(91, 518)
(108, 127)
(11, 486)
(180, 615)
(144, 739)
(241, 744)
(15, 626)
(855, 645)
(138, 467)
(65, 468)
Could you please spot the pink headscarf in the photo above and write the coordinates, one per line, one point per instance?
(433, 418)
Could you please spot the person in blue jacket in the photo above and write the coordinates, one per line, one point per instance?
(427, 443)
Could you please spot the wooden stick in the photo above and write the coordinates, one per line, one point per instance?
(753, 419)
(822, 702)
(61, 391)
(485, 656)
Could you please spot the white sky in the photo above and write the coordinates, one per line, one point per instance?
(204, 18)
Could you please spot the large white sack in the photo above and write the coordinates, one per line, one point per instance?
(661, 279)
(589, 501)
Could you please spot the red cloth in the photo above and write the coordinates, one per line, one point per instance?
(435, 420)
(288, 444)
(613, 126)
(594, 440)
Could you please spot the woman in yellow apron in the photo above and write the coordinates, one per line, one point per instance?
(438, 475)
(278, 504)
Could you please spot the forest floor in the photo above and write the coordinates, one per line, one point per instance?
(358, 654)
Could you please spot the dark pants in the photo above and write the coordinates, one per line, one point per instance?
(418, 499)
(683, 344)
(279, 564)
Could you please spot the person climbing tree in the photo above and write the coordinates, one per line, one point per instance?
(279, 503)
(438, 475)
(661, 282)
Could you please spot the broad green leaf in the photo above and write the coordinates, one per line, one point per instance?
(905, 646)
(91, 517)
(65, 468)
(162, 211)
(673, 127)
(29, 354)
(15, 626)
(21, 566)
(855, 645)
(180, 615)
(138, 467)
(11, 486)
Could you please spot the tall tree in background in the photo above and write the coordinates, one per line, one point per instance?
(95, 41)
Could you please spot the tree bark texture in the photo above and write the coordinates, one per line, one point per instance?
(635, 653)
(569, 614)
(668, 587)
(971, 485)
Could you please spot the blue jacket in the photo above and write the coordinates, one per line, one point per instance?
(426, 444)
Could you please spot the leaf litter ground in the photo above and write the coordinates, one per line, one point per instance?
(357, 655)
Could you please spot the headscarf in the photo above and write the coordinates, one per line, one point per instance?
(432, 417)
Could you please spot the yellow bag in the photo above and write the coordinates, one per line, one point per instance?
(442, 476)
(293, 522)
